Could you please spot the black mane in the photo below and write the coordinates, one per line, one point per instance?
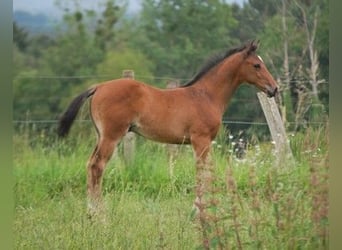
(212, 62)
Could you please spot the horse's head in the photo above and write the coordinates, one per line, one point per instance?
(253, 70)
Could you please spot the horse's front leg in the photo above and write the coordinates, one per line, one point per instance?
(204, 169)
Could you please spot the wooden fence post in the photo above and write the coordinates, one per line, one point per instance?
(127, 73)
(172, 148)
(277, 129)
(130, 138)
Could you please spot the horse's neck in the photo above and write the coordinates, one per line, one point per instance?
(221, 84)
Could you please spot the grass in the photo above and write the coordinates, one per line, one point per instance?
(254, 204)
(132, 222)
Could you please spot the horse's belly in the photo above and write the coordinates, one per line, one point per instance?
(165, 134)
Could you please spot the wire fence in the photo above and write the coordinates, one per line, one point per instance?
(15, 122)
(232, 121)
(141, 77)
(137, 76)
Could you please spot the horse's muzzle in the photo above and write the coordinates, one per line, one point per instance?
(271, 92)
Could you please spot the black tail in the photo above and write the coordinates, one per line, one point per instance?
(70, 114)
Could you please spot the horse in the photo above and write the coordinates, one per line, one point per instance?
(189, 114)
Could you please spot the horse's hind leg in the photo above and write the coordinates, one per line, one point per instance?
(95, 167)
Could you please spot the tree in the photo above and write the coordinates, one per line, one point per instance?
(51, 68)
(20, 37)
(310, 33)
(265, 8)
(290, 29)
(322, 39)
(250, 22)
(104, 32)
(113, 65)
(117, 61)
(179, 34)
(80, 47)
(310, 24)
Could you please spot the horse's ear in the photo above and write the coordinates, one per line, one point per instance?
(252, 47)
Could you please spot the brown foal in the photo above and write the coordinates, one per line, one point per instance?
(190, 114)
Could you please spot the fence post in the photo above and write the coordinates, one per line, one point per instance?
(277, 129)
(127, 73)
(172, 148)
(130, 138)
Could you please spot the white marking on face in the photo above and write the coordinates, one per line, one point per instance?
(260, 58)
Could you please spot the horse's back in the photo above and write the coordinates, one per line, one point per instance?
(118, 85)
(119, 90)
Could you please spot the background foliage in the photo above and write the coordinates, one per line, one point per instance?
(171, 39)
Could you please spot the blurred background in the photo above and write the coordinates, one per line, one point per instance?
(61, 47)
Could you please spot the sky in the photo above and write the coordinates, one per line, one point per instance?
(38, 6)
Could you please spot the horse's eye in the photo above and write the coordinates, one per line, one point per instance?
(257, 66)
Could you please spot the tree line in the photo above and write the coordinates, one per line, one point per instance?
(170, 40)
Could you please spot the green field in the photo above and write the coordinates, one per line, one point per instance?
(256, 203)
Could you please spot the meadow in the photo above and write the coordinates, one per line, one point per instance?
(256, 202)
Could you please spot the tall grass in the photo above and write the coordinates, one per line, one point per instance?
(253, 203)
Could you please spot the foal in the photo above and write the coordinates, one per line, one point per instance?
(190, 114)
